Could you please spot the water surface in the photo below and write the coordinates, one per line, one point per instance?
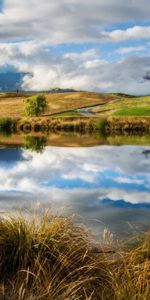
(108, 186)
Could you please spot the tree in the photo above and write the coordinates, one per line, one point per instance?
(35, 143)
(35, 106)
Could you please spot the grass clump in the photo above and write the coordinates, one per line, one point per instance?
(101, 125)
(53, 258)
(132, 276)
(49, 260)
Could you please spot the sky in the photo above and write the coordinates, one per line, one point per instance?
(98, 45)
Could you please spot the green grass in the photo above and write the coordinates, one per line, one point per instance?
(137, 111)
(52, 259)
(71, 113)
(126, 106)
(143, 140)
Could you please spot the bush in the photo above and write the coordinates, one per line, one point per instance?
(101, 125)
(6, 124)
(35, 106)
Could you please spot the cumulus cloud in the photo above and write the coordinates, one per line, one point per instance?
(136, 32)
(87, 70)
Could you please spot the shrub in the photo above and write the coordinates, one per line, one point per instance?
(101, 125)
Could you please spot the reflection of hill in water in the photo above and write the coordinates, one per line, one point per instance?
(66, 139)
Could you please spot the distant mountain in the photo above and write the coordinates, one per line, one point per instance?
(123, 204)
(11, 81)
(53, 91)
(58, 90)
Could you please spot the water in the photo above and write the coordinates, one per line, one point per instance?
(107, 186)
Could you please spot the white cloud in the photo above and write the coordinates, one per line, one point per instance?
(64, 21)
(128, 180)
(34, 169)
(83, 71)
(133, 196)
(129, 50)
(55, 179)
(28, 30)
(136, 32)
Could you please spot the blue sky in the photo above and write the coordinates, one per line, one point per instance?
(97, 46)
(1, 4)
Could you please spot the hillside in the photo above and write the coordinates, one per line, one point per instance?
(12, 104)
(125, 106)
(67, 104)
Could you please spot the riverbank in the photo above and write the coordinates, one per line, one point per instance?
(52, 258)
(106, 126)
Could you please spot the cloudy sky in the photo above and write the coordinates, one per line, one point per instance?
(98, 45)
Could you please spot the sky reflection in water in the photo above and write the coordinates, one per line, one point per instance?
(108, 186)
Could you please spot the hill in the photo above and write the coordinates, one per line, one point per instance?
(12, 104)
(69, 104)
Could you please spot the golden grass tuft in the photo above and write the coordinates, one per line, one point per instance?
(54, 258)
(49, 260)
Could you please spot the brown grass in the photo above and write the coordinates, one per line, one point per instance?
(54, 259)
(49, 260)
(13, 106)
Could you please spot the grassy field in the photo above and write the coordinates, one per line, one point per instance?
(65, 104)
(134, 111)
(113, 113)
(12, 105)
(126, 106)
(53, 259)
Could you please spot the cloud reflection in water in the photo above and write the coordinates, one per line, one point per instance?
(107, 183)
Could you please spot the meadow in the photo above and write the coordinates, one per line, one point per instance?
(12, 105)
(126, 106)
(66, 104)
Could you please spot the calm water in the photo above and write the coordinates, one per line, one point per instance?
(108, 186)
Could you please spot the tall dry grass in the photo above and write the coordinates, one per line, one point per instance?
(51, 259)
(56, 259)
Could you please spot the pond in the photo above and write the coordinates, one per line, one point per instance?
(108, 186)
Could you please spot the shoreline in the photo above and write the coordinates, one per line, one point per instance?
(106, 126)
